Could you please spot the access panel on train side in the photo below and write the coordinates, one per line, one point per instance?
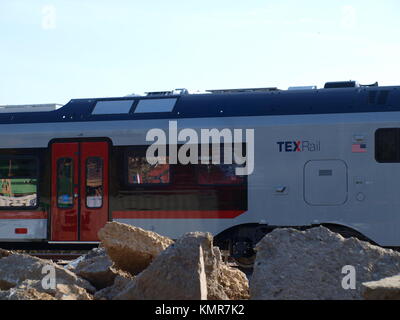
(325, 182)
(79, 201)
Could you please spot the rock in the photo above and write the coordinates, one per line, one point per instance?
(292, 264)
(121, 281)
(4, 253)
(234, 283)
(16, 268)
(61, 292)
(131, 248)
(96, 267)
(95, 252)
(71, 266)
(175, 274)
(24, 294)
(223, 281)
(384, 289)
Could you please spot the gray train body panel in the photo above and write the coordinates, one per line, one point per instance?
(327, 183)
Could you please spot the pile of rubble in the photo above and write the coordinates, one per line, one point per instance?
(130, 264)
(318, 264)
(135, 264)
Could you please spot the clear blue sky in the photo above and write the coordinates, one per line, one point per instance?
(53, 51)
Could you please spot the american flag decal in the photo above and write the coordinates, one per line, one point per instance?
(359, 147)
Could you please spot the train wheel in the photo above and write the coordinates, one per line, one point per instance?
(245, 263)
(243, 253)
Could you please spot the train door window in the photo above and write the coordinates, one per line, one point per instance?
(94, 182)
(18, 182)
(141, 172)
(218, 174)
(387, 145)
(65, 184)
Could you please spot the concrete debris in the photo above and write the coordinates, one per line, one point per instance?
(96, 267)
(121, 282)
(5, 253)
(24, 294)
(384, 289)
(135, 264)
(175, 274)
(61, 291)
(189, 269)
(223, 281)
(131, 249)
(16, 268)
(317, 264)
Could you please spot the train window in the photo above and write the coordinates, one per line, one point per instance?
(387, 145)
(94, 182)
(142, 172)
(155, 105)
(218, 174)
(18, 182)
(113, 107)
(65, 183)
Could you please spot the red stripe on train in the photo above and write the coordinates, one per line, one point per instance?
(178, 214)
(23, 215)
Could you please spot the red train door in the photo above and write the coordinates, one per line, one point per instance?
(79, 192)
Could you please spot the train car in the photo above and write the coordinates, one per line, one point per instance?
(327, 156)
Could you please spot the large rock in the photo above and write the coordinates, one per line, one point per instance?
(384, 289)
(16, 268)
(131, 248)
(175, 274)
(292, 264)
(121, 282)
(97, 268)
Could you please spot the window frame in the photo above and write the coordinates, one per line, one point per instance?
(37, 177)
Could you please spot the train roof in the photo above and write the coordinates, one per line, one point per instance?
(219, 103)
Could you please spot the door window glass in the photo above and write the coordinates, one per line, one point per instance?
(94, 182)
(65, 185)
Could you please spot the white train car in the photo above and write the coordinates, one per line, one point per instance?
(326, 156)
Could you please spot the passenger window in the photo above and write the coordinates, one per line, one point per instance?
(218, 174)
(387, 145)
(65, 183)
(94, 182)
(142, 172)
(18, 182)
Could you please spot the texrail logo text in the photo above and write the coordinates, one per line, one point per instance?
(299, 146)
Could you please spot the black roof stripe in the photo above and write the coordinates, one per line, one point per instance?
(322, 101)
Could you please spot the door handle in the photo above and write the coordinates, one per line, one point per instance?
(76, 195)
